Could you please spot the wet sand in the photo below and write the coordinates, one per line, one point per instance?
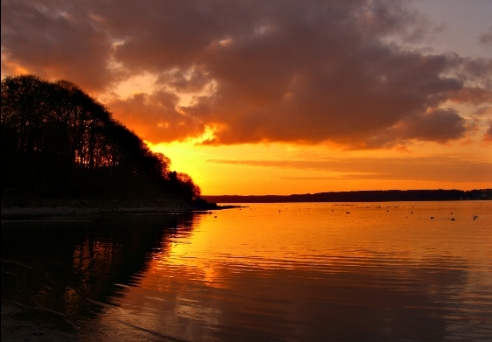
(18, 324)
(22, 323)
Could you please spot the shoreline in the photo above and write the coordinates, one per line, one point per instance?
(34, 323)
(96, 210)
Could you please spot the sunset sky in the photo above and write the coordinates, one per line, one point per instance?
(280, 96)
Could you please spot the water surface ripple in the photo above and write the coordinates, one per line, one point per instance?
(408, 271)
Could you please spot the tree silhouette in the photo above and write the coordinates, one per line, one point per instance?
(58, 142)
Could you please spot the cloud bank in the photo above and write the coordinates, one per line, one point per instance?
(254, 71)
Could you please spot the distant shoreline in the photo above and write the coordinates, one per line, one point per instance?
(360, 196)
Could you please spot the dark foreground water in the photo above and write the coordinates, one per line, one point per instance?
(268, 272)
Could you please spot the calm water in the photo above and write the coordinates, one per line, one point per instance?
(268, 272)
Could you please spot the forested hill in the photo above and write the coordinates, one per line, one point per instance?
(361, 196)
(58, 142)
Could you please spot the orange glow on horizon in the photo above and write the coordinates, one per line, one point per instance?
(238, 170)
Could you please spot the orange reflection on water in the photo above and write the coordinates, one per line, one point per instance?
(285, 235)
(322, 237)
(316, 271)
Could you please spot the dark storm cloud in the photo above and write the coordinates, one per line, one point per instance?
(488, 135)
(55, 39)
(290, 71)
(439, 125)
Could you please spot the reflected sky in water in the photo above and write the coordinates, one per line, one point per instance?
(266, 272)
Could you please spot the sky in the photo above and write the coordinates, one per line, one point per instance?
(256, 97)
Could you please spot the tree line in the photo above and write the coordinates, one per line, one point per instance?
(58, 142)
